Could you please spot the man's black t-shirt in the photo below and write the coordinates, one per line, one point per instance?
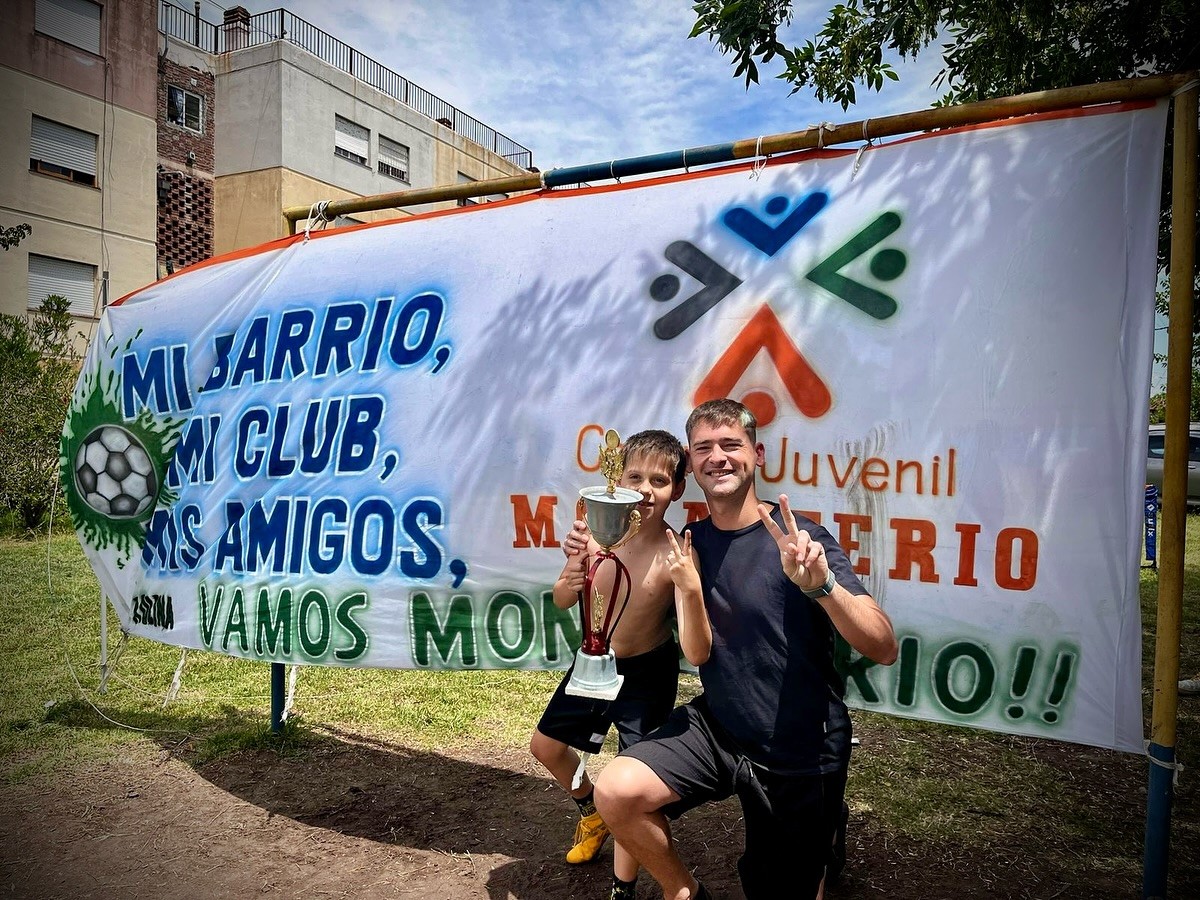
(770, 681)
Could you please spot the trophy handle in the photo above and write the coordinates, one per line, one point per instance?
(635, 522)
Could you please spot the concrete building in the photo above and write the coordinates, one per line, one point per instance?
(157, 139)
(77, 96)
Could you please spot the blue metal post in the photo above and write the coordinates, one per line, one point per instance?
(277, 672)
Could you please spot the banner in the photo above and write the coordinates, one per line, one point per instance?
(364, 446)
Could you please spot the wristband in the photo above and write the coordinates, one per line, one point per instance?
(824, 590)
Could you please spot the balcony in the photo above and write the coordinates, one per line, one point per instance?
(241, 31)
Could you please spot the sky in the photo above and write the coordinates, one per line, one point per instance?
(587, 81)
(581, 82)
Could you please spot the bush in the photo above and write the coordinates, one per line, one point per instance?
(38, 369)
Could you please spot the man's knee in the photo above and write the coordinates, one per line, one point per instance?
(628, 786)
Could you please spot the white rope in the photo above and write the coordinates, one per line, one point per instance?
(760, 161)
(107, 669)
(685, 166)
(858, 155)
(176, 679)
(612, 173)
(316, 211)
(1186, 87)
(577, 778)
(291, 693)
(1175, 767)
(822, 127)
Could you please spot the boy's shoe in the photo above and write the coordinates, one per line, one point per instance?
(590, 835)
(1189, 687)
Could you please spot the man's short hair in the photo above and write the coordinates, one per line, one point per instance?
(660, 445)
(723, 412)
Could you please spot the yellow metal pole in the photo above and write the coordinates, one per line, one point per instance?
(1174, 512)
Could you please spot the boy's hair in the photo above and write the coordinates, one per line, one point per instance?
(723, 412)
(659, 445)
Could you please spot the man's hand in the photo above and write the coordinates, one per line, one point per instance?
(575, 575)
(679, 562)
(576, 543)
(802, 558)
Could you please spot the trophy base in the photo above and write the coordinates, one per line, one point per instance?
(595, 676)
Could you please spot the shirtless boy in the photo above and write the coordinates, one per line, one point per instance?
(664, 584)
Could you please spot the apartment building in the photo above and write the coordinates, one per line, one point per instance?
(157, 138)
(77, 96)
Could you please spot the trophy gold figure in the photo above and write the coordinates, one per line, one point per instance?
(611, 515)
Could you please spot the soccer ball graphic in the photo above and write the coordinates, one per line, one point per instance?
(113, 473)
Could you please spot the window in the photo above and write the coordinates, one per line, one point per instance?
(73, 280)
(62, 151)
(466, 201)
(350, 140)
(185, 108)
(76, 22)
(393, 159)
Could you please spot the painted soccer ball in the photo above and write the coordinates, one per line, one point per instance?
(113, 473)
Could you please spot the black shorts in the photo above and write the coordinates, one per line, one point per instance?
(789, 819)
(646, 699)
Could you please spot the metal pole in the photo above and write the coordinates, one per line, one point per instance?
(1161, 749)
(1130, 89)
(277, 679)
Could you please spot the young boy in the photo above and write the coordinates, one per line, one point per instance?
(664, 581)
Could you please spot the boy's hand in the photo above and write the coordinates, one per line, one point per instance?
(802, 558)
(576, 543)
(679, 562)
(575, 575)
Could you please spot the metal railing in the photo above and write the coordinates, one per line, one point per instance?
(282, 25)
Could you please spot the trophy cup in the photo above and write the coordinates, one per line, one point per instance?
(611, 514)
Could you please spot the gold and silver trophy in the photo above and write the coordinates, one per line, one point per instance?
(612, 516)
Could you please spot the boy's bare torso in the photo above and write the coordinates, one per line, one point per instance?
(646, 621)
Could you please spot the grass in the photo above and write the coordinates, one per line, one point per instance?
(931, 784)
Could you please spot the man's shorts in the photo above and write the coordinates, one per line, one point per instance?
(790, 820)
(646, 699)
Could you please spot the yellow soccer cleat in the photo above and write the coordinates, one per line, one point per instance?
(590, 835)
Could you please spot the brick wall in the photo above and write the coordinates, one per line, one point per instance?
(185, 187)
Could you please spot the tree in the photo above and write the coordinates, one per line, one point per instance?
(993, 49)
(38, 369)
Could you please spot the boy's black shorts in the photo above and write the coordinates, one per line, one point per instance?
(646, 699)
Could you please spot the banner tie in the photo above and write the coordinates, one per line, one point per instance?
(316, 211)
(760, 161)
(858, 155)
(1175, 767)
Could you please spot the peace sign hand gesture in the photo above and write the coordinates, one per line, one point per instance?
(802, 558)
(679, 563)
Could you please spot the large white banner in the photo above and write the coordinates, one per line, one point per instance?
(363, 448)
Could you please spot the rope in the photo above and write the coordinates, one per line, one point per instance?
(611, 173)
(291, 693)
(760, 161)
(173, 690)
(107, 669)
(858, 155)
(1183, 89)
(316, 211)
(822, 127)
(1175, 767)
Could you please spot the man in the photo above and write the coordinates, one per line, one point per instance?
(770, 725)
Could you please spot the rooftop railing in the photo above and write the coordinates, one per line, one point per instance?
(282, 25)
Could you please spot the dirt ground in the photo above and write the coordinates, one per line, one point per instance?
(354, 818)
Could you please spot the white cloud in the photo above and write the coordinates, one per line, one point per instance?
(582, 82)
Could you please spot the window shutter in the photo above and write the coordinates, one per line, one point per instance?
(63, 145)
(73, 280)
(393, 154)
(77, 22)
(351, 137)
